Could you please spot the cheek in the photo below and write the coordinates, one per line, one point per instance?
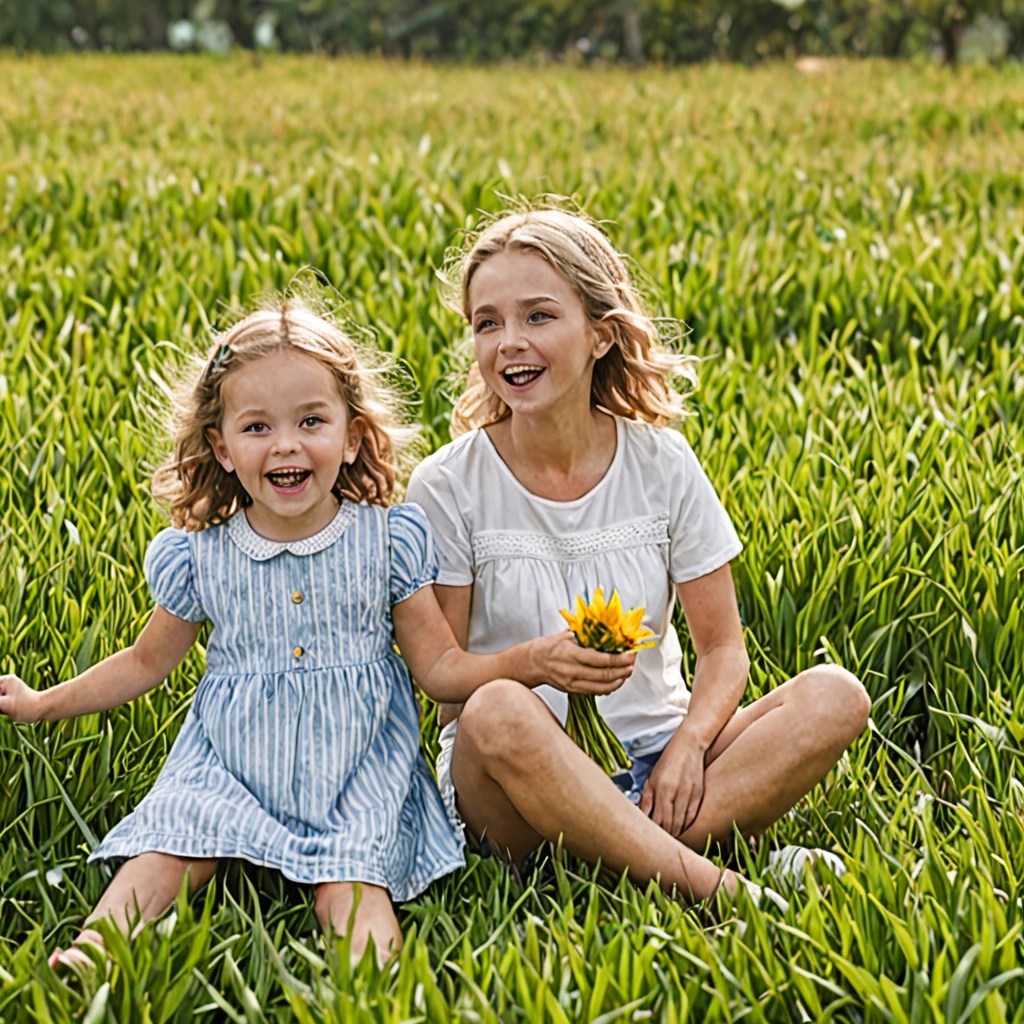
(565, 351)
(251, 453)
(483, 351)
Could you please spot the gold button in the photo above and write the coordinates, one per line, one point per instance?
(298, 652)
(297, 597)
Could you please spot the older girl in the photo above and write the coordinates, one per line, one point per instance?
(566, 477)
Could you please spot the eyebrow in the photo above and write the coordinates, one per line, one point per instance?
(317, 404)
(533, 301)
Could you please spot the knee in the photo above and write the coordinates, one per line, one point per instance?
(324, 896)
(333, 902)
(155, 878)
(173, 868)
(838, 697)
(498, 719)
(199, 871)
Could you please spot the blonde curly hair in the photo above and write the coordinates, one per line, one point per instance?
(198, 490)
(634, 379)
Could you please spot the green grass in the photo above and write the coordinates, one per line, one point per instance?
(848, 252)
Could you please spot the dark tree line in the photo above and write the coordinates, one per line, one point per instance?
(482, 30)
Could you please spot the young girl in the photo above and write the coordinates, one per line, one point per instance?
(568, 476)
(301, 748)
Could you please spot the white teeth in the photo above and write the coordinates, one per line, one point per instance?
(520, 376)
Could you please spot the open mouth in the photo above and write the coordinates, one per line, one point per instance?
(289, 480)
(520, 377)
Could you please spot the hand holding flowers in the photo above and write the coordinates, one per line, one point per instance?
(560, 662)
(602, 626)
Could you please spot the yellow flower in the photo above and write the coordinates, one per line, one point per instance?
(604, 626)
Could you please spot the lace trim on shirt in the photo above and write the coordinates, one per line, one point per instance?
(261, 548)
(491, 544)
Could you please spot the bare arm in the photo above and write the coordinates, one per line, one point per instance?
(456, 604)
(673, 793)
(449, 675)
(713, 619)
(160, 648)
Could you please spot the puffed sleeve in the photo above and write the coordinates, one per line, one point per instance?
(170, 573)
(413, 559)
(435, 490)
(701, 535)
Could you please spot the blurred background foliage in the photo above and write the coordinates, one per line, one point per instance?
(670, 31)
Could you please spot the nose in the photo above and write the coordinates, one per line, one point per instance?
(286, 441)
(512, 341)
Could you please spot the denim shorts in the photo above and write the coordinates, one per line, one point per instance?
(631, 782)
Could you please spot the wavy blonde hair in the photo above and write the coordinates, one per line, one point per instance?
(634, 378)
(197, 489)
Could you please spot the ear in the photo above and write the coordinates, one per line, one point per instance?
(604, 339)
(220, 449)
(353, 440)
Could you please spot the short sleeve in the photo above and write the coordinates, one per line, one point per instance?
(170, 573)
(413, 559)
(701, 535)
(434, 490)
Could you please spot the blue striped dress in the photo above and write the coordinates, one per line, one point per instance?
(301, 748)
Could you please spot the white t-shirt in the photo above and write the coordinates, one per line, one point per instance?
(652, 520)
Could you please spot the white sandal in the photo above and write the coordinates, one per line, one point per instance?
(791, 861)
(757, 892)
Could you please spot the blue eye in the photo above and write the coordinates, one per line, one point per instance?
(538, 312)
(482, 324)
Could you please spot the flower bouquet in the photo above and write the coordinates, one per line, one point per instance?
(602, 627)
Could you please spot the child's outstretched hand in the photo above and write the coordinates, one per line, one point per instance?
(560, 661)
(18, 701)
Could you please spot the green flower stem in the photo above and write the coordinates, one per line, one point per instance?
(589, 731)
(583, 723)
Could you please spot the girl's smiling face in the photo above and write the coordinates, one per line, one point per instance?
(534, 343)
(286, 432)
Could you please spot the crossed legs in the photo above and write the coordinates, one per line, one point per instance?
(520, 778)
(776, 750)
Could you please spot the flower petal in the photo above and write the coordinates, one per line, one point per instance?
(633, 619)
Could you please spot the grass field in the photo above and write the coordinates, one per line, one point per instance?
(848, 252)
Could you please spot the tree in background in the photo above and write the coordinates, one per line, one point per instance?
(673, 31)
(632, 37)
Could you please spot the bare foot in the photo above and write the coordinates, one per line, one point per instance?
(76, 958)
(731, 883)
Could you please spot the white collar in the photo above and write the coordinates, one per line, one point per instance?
(260, 548)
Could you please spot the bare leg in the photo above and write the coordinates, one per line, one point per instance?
(776, 750)
(145, 885)
(375, 916)
(519, 777)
